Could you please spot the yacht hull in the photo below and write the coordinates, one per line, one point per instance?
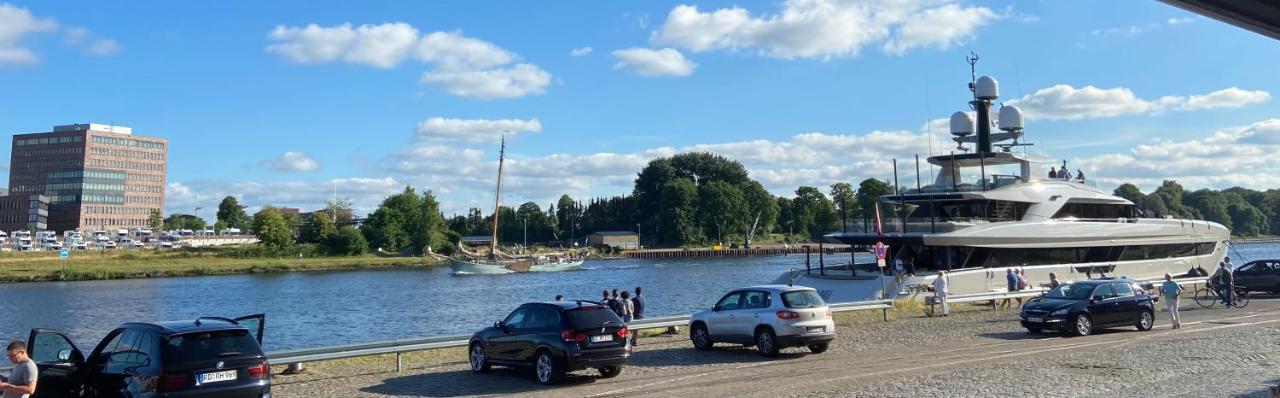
(461, 267)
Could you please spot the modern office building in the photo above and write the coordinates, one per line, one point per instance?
(95, 177)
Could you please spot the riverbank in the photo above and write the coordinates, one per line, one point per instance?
(122, 264)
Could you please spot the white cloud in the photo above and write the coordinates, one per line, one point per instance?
(516, 81)
(647, 62)
(1179, 21)
(291, 162)
(579, 52)
(366, 193)
(1066, 102)
(16, 23)
(103, 47)
(823, 28)
(1237, 156)
(74, 35)
(474, 130)
(464, 66)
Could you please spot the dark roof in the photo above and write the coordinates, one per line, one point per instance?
(203, 325)
(569, 304)
(1096, 281)
(614, 233)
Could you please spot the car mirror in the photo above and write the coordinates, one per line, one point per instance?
(499, 325)
(715, 308)
(64, 355)
(1095, 299)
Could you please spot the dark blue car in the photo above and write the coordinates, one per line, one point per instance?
(554, 338)
(1082, 307)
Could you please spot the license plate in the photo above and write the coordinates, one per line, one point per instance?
(1035, 319)
(815, 329)
(602, 338)
(214, 377)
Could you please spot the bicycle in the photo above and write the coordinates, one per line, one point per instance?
(1207, 297)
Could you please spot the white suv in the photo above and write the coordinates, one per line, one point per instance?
(770, 317)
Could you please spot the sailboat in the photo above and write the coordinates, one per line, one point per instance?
(497, 262)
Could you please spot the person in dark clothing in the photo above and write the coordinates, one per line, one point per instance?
(559, 297)
(1053, 174)
(615, 303)
(605, 301)
(638, 302)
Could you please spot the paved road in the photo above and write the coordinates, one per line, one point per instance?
(1217, 352)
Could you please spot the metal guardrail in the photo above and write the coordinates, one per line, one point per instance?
(400, 347)
(994, 296)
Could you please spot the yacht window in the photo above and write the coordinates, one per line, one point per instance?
(1206, 248)
(1095, 211)
(1151, 252)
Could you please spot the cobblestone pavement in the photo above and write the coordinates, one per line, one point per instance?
(1218, 352)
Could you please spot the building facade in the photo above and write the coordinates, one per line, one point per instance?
(24, 212)
(96, 177)
(615, 239)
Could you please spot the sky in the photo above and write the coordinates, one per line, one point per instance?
(285, 102)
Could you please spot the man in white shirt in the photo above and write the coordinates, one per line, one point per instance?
(22, 379)
(940, 292)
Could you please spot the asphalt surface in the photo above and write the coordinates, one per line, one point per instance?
(1217, 352)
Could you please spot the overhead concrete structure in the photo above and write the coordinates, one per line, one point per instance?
(1259, 16)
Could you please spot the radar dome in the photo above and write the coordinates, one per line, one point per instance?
(961, 124)
(987, 88)
(1010, 118)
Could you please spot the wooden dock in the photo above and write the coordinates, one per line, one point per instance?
(763, 251)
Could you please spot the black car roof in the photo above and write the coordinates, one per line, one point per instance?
(206, 324)
(1099, 281)
(567, 304)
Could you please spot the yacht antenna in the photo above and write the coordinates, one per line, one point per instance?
(973, 73)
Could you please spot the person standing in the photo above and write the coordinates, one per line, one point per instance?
(1223, 283)
(1170, 290)
(628, 309)
(615, 303)
(638, 303)
(1053, 173)
(559, 297)
(940, 292)
(1053, 281)
(1226, 261)
(1011, 285)
(605, 300)
(22, 378)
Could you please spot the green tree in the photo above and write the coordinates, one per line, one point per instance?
(869, 192)
(318, 228)
(1210, 205)
(722, 210)
(846, 201)
(699, 168)
(568, 214)
(786, 216)
(231, 213)
(339, 210)
(678, 220)
(426, 226)
(346, 241)
(155, 221)
(815, 214)
(1247, 220)
(270, 228)
(1132, 193)
(388, 226)
(760, 204)
(183, 221)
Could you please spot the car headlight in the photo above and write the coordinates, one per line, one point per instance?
(1059, 312)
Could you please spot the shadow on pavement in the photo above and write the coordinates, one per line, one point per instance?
(1023, 334)
(1265, 392)
(722, 353)
(499, 381)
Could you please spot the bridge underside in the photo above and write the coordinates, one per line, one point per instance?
(1259, 16)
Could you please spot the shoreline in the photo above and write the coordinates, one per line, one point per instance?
(47, 267)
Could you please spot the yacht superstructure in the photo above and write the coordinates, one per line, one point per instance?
(989, 211)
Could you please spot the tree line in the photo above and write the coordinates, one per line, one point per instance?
(1246, 212)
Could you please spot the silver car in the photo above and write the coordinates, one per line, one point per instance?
(771, 317)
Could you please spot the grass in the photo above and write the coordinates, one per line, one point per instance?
(123, 264)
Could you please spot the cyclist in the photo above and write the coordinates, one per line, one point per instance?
(1222, 282)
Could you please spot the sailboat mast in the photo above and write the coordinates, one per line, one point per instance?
(493, 244)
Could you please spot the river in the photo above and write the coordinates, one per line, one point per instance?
(314, 309)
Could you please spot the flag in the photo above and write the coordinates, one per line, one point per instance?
(879, 229)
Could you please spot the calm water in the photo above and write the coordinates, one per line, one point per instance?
(321, 309)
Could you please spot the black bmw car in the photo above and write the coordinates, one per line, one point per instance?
(1081, 307)
(554, 338)
(1259, 276)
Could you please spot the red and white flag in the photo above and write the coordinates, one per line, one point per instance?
(879, 229)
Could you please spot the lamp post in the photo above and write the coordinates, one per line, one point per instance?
(525, 221)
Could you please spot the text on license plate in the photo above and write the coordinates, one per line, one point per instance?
(213, 377)
(815, 329)
(602, 338)
(1035, 319)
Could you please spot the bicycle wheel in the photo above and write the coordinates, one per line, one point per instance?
(1241, 299)
(1206, 298)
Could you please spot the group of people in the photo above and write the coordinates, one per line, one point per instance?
(626, 306)
(1017, 281)
(1064, 174)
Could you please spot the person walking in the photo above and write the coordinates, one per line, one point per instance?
(638, 303)
(1224, 284)
(940, 292)
(1011, 285)
(1022, 283)
(22, 378)
(1170, 290)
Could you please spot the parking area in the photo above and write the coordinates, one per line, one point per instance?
(972, 353)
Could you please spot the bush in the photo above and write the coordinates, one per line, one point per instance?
(348, 241)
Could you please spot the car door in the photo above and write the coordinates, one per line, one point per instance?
(755, 311)
(111, 380)
(1271, 276)
(503, 346)
(1127, 302)
(60, 364)
(1247, 276)
(721, 323)
(1103, 306)
(256, 323)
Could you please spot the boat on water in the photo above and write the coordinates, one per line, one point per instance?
(990, 211)
(497, 262)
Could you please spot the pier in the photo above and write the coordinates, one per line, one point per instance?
(755, 251)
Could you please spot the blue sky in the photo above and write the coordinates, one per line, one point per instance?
(258, 103)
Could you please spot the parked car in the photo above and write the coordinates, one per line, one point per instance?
(1259, 276)
(1082, 307)
(554, 338)
(205, 357)
(771, 317)
(106, 244)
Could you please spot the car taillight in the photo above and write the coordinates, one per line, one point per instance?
(260, 371)
(572, 336)
(622, 332)
(828, 312)
(788, 315)
(173, 382)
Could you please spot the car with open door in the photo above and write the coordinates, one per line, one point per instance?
(205, 357)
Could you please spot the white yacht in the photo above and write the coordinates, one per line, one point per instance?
(989, 211)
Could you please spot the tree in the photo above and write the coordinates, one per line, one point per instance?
(679, 211)
(387, 227)
(1132, 193)
(699, 168)
(270, 228)
(568, 214)
(231, 213)
(1209, 204)
(815, 215)
(869, 192)
(846, 201)
(1247, 220)
(339, 210)
(426, 225)
(722, 210)
(318, 228)
(761, 204)
(346, 241)
(183, 221)
(155, 221)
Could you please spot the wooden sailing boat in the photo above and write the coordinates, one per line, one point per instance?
(496, 262)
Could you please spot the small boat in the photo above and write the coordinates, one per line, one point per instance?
(497, 262)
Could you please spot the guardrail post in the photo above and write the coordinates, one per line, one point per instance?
(885, 313)
(293, 369)
(399, 361)
(822, 265)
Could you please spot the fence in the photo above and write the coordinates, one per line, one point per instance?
(994, 296)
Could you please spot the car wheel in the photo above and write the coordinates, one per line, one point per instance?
(479, 363)
(1033, 330)
(766, 342)
(609, 372)
(546, 368)
(818, 348)
(1145, 321)
(1083, 325)
(700, 337)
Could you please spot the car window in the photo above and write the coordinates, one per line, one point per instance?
(109, 346)
(46, 346)
(517, 318)
(1122, 289)
(802, 299)
(1070, 291)
(126, 353)
(731, 301)
(1104, 291)
(541, 318)
(591, 317)
(1251, 267)
(205, 346)
(756, 299)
